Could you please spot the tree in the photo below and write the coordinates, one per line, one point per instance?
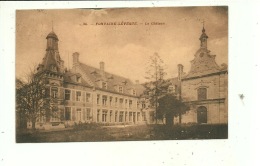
(33, 99)
(155, 87)
(170, 106)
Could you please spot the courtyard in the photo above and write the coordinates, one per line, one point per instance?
(98, 133)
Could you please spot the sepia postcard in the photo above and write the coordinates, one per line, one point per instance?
(121, 74)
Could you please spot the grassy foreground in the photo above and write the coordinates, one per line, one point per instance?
(92, 132)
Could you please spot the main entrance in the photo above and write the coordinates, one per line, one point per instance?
(202, 116)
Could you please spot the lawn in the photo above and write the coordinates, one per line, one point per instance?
(89, 132)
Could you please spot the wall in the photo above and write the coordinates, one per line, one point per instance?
(217, 98)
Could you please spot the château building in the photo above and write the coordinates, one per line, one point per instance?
(205, 87)
(85, 94)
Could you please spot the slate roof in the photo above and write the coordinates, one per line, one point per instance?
(68, 78)
(95, 75)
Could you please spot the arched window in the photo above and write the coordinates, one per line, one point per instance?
(202, 94)
(202, 116)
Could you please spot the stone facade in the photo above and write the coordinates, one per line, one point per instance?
(86, 94)
(205, 88)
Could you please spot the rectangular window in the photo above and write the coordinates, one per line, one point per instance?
(54, 92)
(78, 96)
(202, 94)
(87, 97)
(125, 116)
(67, 113)
(116, 102)
(120, 89)
(110, 116)
(121, 115)
(98, 99)
(88, 114)
(104, 116)
(116, 116)
(130, 103)
(104, 100)
(79, 114)
(98, 113)
(130, 116)
(121, 101)
(138, 116)
(67, 94)
(110, 100)
(125, 103)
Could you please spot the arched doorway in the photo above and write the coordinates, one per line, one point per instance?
(202, 116)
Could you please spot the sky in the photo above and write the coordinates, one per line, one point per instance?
(125, 49)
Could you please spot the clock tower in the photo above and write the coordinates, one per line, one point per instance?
(204, 62)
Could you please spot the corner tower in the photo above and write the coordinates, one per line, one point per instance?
(52, 61)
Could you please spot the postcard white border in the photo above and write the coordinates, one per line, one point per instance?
(239, 149)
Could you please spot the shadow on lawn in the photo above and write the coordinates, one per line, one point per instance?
(184, 132)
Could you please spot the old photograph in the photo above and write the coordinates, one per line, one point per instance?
(121, 74)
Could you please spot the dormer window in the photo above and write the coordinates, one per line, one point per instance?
(53, 68)
(78, 79)
(104, 85)
(134, 92)
(120, 89)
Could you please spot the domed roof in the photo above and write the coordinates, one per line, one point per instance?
(203, 35)
(52, 35)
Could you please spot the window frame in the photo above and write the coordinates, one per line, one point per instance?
(65, 94)
(104, 85)
(70, 113)
(88, 98)
(80, 98)
(202, 95)
(54, 95)
(120, 89)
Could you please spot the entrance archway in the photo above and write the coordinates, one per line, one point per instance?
(202, 116)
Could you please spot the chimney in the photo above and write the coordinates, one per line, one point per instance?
(102, 66)
(137, 82)
(75, 56)
(180, 71)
